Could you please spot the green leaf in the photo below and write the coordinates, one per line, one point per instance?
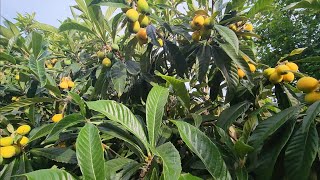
(40, 132)
(314, 59)
(157, 99)
(118, 77)
(311, 115)
(36, 44)
(121, 114)
(242, 148)
(228, 116)
(176, 56)
(78, 100)
(64, 155)
(37, 67)
(63, 124)
(151, 32)
(259, 6)
(114, 165)
(282, 97)
(44, 27)
(67, 26)
(113, 4)
(301, 152)
(237, 59)
(297, 51)
(308, 4)
(7, 57)
(188, 176)
(23, 103)
(203, 58)
(90, 153)
(49, 174)
(270, 153)
(5, 32)
(270, 125)
(171, 160)
(228, 36)
(204, 148)
(179, 88)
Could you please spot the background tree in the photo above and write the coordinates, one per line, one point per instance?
(284, 30)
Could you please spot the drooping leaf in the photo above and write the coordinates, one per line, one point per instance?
(118, 77)
(114, 165)
(78, 100)
(171, 160)
(64, 155)
(229, 36)
(90, 153)
(188, 176)
(121, 114)
(228, 116)
(204, 148)
(177, 57)
(151, 32)
(49, 174)
(203, 58)
(301, 152)
(156, 101)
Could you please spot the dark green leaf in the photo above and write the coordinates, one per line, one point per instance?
(228, 36)
(7, 57)
(49, 174)
(118, 77)
(40, 132)
(64, 155)
(311, 114)
(203, 57)
(23, 103)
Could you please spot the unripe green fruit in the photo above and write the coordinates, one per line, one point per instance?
(143, 6)
(67, 61)
(100, 54)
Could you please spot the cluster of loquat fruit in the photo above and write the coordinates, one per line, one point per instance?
(50, 63)
(284, 72)
(201, 26)
(310, 86)
(12, 145)
(138, 20)
(242, 27)
(66, 83)
(105, 57)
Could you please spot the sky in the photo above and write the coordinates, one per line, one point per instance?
(47, 11)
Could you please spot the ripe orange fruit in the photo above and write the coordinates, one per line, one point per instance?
(241, 73)
(307, 84)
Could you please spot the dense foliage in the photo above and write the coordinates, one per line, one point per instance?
(145, 90)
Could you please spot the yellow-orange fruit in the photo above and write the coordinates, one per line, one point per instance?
(57, 117)
(160, 41)
(7, 152)
(275, 78)
(307, 84)
(194, 27)
(312, 97)
(23, 141)
(6, 141)
(208, 23)
(100, 54)
(134, 27)
(281, 69)
(289, 77)
(64, 85)
(132, 15)
(106, 62)
(252, 67)
(143, 20)
(70, 84)
(142, 34)
(196, 36)
(248, 27)
(267, 72)
(23, 130)
(233, 27)
(292, 66)
(241, 73)
(53, 61)
(198, 20)
(17, 77)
